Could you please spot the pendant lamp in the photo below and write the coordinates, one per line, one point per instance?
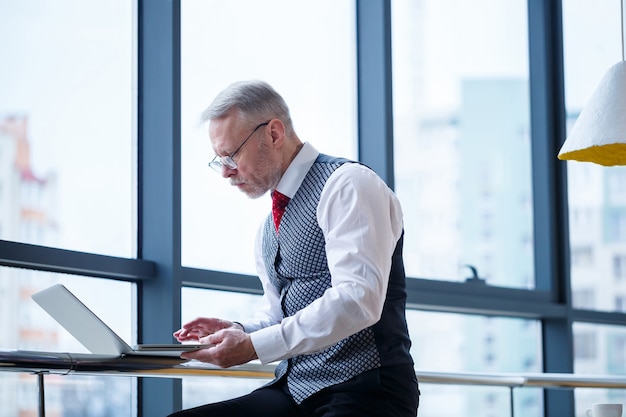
(599, 133)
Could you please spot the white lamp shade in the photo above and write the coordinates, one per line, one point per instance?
(599, 134)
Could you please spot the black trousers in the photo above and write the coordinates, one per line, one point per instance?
(385, 392)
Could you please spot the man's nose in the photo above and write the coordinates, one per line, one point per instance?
(227, 171)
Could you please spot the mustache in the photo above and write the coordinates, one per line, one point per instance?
(236, 181)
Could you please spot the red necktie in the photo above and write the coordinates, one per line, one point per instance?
(279, 204)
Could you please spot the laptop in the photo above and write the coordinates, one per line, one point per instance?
(92, 332)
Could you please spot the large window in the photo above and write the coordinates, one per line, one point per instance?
(466, 343)
(599, 349)
(313, 67)
(26, 326)
(66, 125)
(597, 204)
(462, 144)
(67, 139)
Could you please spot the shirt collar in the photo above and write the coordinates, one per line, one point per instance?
(297, 170)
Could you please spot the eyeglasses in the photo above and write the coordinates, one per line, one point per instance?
(219, 162)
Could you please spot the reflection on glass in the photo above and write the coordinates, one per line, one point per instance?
(26, 326)
(66, 116)
(599, 350)
(228, 306)
(460, 343)
(461, 130)
(311, 65)
(596, 194)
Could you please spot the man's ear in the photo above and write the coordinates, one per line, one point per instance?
(277, 132)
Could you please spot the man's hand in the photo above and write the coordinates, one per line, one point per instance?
(231, 347)
(202, 327)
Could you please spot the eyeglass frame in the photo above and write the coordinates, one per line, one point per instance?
(219, 162)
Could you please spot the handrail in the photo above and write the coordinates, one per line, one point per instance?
(43, 363)
(156, 366)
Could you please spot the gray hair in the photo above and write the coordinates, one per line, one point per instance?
(255, 101)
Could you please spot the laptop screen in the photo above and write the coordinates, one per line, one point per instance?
(80, 321)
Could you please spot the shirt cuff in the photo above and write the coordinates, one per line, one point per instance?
(269, 344)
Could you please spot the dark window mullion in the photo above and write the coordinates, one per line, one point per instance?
(551, 241)
(43, 258)
(159, 305)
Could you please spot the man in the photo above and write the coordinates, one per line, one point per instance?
(331, 267)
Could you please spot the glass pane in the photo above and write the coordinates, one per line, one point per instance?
(597, 194)
(598, 350)
(228, 306)
(444, 342)
(461, 129)
(66, 124)
(313, 68)
(26, 326)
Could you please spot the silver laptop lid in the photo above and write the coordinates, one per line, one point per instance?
(80, 321)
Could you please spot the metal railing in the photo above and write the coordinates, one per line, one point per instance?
(46, 363)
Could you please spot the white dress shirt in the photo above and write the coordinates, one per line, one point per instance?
(361, 220)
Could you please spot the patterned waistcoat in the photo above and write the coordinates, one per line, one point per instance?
(296, 264)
